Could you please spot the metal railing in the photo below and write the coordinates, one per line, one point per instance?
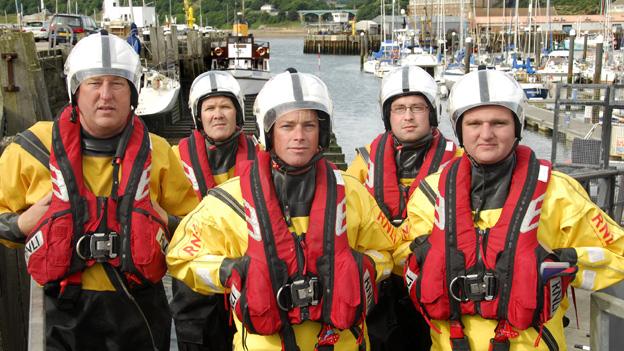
(603, 308)
(604, 183)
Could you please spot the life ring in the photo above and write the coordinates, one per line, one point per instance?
(218, 51)
(261, 51)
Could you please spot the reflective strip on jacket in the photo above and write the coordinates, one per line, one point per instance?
(568, 219)
(214, 232)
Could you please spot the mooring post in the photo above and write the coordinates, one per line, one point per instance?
(468, 54)
(597, 73)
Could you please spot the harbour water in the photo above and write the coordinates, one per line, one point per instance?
(357, 115)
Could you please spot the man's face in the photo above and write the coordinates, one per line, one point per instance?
(408, 126)
(296, 137)
(488, 133)
(218, 116)
(104, 104)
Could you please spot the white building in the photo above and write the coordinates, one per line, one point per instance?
(144, 16)
(268, 8)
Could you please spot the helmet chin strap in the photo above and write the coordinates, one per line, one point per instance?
(211, 141)
(283, 167)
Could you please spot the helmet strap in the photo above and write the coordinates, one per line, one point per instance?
(215, 143)
(74, 114)
(281, 166)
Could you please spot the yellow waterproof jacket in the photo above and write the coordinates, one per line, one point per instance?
(214, 232)
(569, 219)
(359, 169)
(25, 180)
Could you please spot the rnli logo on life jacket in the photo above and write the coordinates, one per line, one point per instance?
(234, 296)
(188, 171)
(143, 188)
(410, 278)
(162, 241)
(531, 218)
(368, 290)
(341, 217)
(58, 184)
(439, 213)
(34, 244)
(253, 228)
(370, 179)
(556, 294)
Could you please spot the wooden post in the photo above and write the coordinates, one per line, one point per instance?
(585, 47)
(21, 82)
(468, 54)
(362, 52)
(570, 65)
(597, 74)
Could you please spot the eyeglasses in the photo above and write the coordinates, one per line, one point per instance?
(402, 109)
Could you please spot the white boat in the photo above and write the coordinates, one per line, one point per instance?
(158, 96)
(555, 68)
(424, 60)
(384, 60)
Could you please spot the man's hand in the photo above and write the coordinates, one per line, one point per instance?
(29, 218)
(161, 212)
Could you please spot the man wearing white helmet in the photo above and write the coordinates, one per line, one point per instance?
(391, 167)
(213, 153)
(292, 240)
(497, 236)
(93, 197)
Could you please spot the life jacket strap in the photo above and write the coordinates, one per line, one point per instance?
(299, 293)
(66, 292)
(459, 341)
(327, 338)
(504, 332)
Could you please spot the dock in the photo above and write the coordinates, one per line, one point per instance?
(542, 120)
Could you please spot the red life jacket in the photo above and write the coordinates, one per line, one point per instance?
(80, 229)
(292, 278)
(495, 272)
(194, 157)
(382, 181)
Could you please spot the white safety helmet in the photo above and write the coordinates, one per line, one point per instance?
(290, 91)
(486, 87)
(102, 54)
(408, 80)
(215, 83)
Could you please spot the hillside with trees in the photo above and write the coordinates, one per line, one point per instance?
(220, 12)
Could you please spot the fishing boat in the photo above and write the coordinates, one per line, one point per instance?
(248, 61)
(245, 57)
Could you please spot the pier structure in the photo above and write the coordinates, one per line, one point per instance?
(340, 44)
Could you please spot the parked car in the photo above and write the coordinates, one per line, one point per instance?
(39, 29)
(80, 26)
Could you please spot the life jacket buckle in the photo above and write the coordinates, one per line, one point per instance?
(100, 246)
(474, 287)
(300, 293)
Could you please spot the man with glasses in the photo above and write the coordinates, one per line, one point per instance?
(391, 167)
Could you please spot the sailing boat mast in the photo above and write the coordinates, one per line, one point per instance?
(461, 23)
(516, 30)
(549, 31)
